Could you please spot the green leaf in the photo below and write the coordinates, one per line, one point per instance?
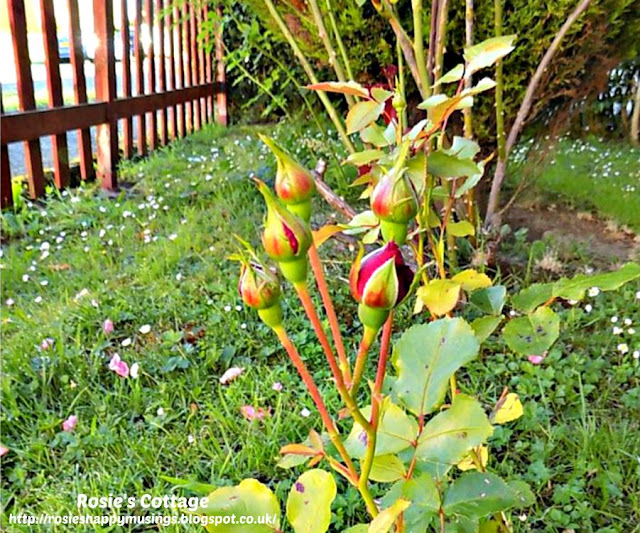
(490, 300)
(362, 114)
(309, 502)
(487, 52)
(443, 165)
(461, 524)
(533, 296)
(396, 430)
(385, 519)
(450, 434)
(426, 356)
(463, 148)
(359, 528)
(480, 494)
(423, 494)
(249, 498)
(455, 74)
(362, 222)
(375, 135)
(381, 95)
(363, 158)
(472, 280)
(349, 87)
(485, 326)
(439, 295)
(575, 288)
(534, 333)
(461, 228)
(387, 469)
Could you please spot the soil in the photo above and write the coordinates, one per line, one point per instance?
(603, 241)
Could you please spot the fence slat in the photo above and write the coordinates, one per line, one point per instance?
(6, 193)
(201, 69)
(139, 56)
(194, 63)
(186, 34)
(79, 87)
(162, 76)
(207, 60)
(59, 150)
(26, 98)
(168, 25)
(180, 68)
(151, 75)
(221, 75)
(105, 65)
(127, 125)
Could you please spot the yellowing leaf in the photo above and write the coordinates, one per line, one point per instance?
(383, 522)
(309, 502)
(349, 87)
(461, 229)
(507, 409)
(440, 295)
(362, 114)
(325, 233)
(487, 52)
(471, 280)
(469, 461)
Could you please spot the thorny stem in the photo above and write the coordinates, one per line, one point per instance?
(317, 399)
(318, 271)
(307, 303)
(376, 400)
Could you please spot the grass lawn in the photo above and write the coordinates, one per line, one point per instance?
(590, 173)
(156, 256)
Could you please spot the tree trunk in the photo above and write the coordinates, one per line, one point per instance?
(635, 117)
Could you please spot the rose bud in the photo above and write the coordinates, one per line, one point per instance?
(294, 183)
(395, 203)
(259, 288)
(379, 282)
(286, 238)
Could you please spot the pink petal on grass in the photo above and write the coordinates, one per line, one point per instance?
(252, 413)
(108, 327)
(3, 450)
(535, 359)
(47, 343)
(70, 423)
(119, 366)
(277, 386)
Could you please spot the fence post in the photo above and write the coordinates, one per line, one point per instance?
(105, 80)
(221, 76)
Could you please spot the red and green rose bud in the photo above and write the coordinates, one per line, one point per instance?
(286, 238)
(395, 203)
(294, 184)
(259, 288)
(379, 281)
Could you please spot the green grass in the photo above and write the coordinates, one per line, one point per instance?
(590, 173)
(578, 443)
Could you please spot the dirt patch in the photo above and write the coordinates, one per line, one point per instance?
(601, 240)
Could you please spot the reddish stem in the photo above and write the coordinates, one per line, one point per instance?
(317, 399)
(368, 337)
(318, 271)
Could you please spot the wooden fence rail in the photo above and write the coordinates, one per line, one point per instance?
(172, 74)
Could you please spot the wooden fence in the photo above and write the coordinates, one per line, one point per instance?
(179, 87)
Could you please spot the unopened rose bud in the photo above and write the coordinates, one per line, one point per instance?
(259, 288)
(286, 238)
(379, 282)
(294, 184)
(395, 203)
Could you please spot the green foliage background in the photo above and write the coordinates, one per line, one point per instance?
(605, 36)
